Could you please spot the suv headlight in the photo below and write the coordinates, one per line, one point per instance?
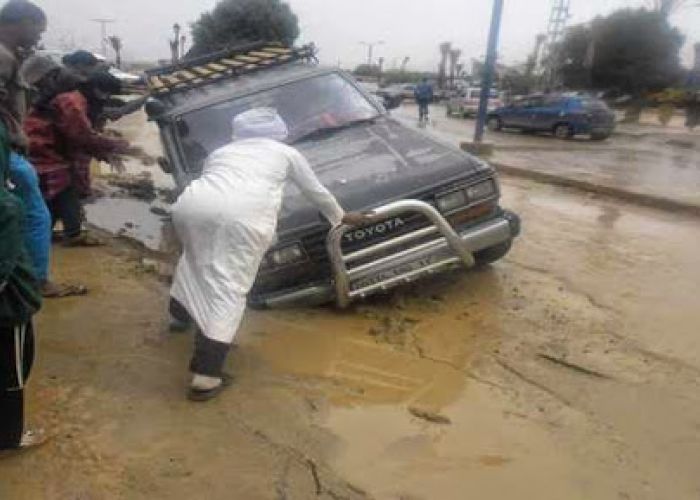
(285, 256)
(481, 191)
(466, 196)
(452, 201)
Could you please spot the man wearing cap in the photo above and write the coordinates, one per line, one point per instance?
(21, 26)
(60, 137)
(226, 220)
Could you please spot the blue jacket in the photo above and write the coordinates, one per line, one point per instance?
(423, 92)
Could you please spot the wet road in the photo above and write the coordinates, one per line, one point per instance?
(644, 160)
(569, 370)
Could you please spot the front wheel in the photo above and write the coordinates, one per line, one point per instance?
(599, 137)
(494, 124)
(563, 131)
(492, 254)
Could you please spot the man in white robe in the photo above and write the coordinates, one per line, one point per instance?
(226, 221)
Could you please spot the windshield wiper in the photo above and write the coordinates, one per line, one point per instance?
(325, 131)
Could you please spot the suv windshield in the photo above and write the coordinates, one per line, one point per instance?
(318, 103)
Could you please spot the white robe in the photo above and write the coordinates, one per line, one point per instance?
(226, 221)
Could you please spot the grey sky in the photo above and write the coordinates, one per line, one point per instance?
(409, 27)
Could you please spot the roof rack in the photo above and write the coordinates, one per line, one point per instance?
(225, 64)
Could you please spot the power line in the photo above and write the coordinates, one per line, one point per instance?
(556, 28)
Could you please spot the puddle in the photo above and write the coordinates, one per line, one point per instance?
(129, 218)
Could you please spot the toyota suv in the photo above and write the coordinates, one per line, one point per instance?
(435, 208)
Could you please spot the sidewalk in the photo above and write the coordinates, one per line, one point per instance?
(645, 163)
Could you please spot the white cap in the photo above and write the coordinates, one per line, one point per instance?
(259, 123)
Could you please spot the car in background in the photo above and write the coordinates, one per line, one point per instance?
(466, 102)
(127, 79)
(562, 115)
(390, 97)
(436, 208)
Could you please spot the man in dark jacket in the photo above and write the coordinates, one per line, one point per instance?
(19, 301)
(424, 96)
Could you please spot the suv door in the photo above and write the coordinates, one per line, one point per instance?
(510, 115)
(549, 113)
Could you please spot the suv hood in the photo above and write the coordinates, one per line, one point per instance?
(373, 163)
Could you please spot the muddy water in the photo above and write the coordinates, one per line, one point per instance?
(582, 286)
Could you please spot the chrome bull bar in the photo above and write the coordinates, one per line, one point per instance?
(344, 276)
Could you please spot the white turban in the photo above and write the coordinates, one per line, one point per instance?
(259, 123)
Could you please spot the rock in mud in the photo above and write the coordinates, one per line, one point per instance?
(429, 416)
(135, 186)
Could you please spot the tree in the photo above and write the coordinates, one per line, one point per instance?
(235, 22)
(668, 7)
(571, 62)
(632, 51)
(117, 45)
(175, 49)
(635, 51)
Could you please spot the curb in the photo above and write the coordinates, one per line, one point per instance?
(647, 200)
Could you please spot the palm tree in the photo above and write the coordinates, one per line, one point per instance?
(117, 45)
(175, 44)
(455, 54)
(445, 49)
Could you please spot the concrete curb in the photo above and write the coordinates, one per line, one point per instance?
(647, 200)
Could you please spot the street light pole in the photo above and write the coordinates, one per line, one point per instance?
(489, 69)
(103, 32)
(370, 49)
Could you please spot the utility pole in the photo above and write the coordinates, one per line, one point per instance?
(370, 49)
(103, 32)
(489, 69)
(558, 18)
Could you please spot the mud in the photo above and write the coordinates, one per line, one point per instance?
(445, 390)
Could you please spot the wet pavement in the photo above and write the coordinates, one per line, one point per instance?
(569, 370)
(648, 161)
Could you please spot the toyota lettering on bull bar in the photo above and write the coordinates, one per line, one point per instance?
(380, 229)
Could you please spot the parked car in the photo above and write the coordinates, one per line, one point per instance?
(466, 102)
(391, 97)
(388, 97)
(563, 116)
(127, 79)
(436, 207)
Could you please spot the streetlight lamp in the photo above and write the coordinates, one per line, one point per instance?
(370, 49)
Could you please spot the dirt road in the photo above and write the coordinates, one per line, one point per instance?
(570, 370)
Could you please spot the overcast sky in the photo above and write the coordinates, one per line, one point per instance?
(409, 27)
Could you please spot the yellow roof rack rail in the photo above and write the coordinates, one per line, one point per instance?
(225, 64)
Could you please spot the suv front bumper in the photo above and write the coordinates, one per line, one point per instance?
(405, 266)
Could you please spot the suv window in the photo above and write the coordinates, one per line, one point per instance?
(326, 101)
(534, 102)
(554, 102)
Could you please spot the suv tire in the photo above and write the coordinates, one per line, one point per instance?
(563, 131)
(492, 254)
(494, 124)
